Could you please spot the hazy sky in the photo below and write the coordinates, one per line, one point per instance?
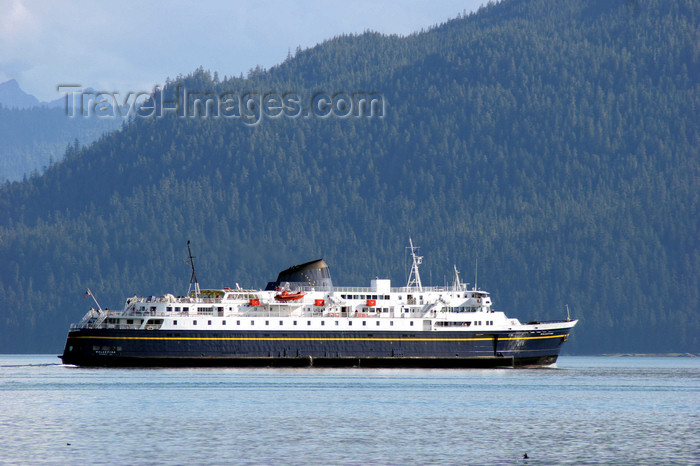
(133, 45)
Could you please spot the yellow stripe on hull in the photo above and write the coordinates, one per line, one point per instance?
(313, 339)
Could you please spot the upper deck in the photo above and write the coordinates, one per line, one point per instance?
(453, 307)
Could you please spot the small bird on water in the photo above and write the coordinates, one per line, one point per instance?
(525, 456)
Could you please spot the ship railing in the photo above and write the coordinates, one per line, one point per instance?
(177, 299)
(103, 325)
(81, 325)
(272, 313)
(348, 289)
(393, 289)
(124, 326)
(413, 289)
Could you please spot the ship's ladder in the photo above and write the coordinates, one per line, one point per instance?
(428, 307)
(100, 319)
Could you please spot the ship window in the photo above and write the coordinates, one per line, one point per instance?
(308, 322)
(223, 322)
(194, 322)
(252, 322)
(337, 323)
(364, 322)
(391, 324)
(350, 322)
(174, 322)
(185, 309)
(280, 322)
(238, 322)
(411, 323)
(295, 322)
(129, 321)
(209, 322)
(323, 322)
(377, 323)
(169, 309)
(267, 322)
(177, 309)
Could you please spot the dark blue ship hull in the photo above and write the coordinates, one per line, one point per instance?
(141, 348)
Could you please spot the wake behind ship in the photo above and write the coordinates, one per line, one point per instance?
(302, 319)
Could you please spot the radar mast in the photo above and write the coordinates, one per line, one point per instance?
(193, 277)
(457, 285)
(414, 277)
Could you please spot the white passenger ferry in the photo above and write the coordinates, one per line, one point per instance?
(302, 319)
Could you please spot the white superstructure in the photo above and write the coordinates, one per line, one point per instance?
(379, 306)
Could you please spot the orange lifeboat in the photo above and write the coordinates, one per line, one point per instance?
(289, 296)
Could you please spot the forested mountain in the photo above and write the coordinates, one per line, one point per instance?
(35, 134)
(558, 146)
(33, 138)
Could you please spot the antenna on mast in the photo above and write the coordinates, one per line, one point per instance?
(414, 277)
(568, 317)
(193, 277)
(457, 283)
(476, 271)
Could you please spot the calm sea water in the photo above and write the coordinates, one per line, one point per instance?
(588, 410)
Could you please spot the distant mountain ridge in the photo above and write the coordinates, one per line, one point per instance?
(558, 147)
(35, 134)
(13, 97)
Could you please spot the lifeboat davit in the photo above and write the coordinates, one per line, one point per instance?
(289, 296)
